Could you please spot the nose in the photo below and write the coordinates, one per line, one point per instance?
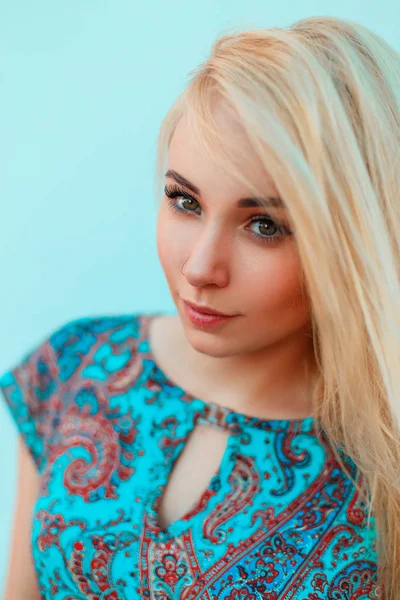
(208, 260)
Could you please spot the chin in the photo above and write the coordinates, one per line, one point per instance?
(208, 346)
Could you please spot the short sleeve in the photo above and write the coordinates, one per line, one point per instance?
(31, 392)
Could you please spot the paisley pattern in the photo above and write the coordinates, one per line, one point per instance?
(279, 520)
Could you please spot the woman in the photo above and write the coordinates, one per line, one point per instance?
(254, 453)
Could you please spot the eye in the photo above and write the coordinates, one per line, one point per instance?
(279, 230)
(173, 193)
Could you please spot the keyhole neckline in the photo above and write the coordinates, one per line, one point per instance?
(212, 492)
(216, 414)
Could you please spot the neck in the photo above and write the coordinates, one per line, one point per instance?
(275, 381)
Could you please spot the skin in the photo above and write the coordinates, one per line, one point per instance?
(258, 359)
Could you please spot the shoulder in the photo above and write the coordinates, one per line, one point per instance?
(71, 346)
(74, 371)
(90, 339)
(92, 326)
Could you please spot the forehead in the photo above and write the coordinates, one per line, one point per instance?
(187, 156)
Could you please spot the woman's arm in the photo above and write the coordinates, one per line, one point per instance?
(21, 583)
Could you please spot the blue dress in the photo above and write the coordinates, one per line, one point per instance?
(279, 520)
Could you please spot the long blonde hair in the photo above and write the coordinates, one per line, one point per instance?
(320, 103)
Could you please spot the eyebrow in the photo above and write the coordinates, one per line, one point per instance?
(250, 202)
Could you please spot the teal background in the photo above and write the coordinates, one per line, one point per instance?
(84, 86)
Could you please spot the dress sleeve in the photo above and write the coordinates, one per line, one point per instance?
(31, 392)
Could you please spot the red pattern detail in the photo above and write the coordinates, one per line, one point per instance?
(99, 437)
(244, 480)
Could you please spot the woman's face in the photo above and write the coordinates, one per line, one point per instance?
(211, 254)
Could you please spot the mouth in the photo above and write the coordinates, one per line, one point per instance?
(205, 310)
(205, 319)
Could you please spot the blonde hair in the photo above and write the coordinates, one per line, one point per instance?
(320, 103)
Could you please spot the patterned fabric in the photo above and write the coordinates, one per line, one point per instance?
(104, 424)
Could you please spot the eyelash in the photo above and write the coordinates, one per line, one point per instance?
(173, 192)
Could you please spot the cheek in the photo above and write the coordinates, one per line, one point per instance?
(274, 281)
(171, 243)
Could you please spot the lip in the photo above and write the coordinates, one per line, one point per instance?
(202, 319)
(203, 310)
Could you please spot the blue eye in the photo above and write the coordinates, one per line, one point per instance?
(279, 230)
